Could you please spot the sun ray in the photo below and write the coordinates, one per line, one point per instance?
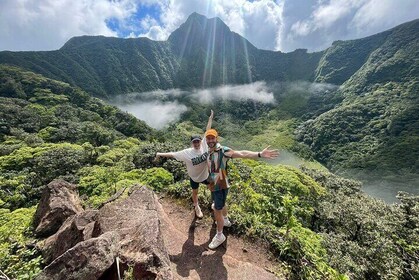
(246, 54)
(210, 51)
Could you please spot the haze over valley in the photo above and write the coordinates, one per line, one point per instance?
(163, 108)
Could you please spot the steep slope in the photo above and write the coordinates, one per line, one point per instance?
(211, 54)
(103, 66)
(50, 129)
(53, 109)
(377, 125)
(344, 58)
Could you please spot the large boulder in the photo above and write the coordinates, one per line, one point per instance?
(137, 221)
(87, 260)
(87, 244)
(59, 201)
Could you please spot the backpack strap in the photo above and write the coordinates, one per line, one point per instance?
(222, 169)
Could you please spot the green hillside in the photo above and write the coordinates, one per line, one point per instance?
(103, 66)
(50, 129)
(376, 127)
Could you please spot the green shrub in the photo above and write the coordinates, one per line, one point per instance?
(16, 259)
(157, 178)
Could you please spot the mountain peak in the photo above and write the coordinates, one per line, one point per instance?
(198, 18)
(200, 32)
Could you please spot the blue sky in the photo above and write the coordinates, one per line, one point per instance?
(125, 27)
(283, 25)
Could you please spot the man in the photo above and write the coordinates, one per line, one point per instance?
(218, 177)
(195, 159)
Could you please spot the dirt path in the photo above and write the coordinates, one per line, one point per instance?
(187, 240)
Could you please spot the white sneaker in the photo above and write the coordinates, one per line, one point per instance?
(217, 241)
(227, 222)
(198, 211)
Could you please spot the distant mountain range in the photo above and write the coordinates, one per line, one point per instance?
(375, 125)
(200, 53)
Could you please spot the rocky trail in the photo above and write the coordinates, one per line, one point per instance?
(187, 238)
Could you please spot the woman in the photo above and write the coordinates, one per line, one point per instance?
(195, 159)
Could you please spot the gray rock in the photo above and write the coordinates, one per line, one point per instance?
(137, 222)
(87, 244)
(75, 229)
(87, 260)
(59, 201)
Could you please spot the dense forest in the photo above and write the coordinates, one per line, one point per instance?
(362, 116)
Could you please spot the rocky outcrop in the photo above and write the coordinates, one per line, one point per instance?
(59, 201)
(75, 229)
(136, 220)
(152, 240)
(87, 260)
(88, 243)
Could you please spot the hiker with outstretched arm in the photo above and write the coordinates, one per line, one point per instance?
(218, 158)
(195, 159)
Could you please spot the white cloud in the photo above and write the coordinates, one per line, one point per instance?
(48, 24)
(330, 20)
(257, 91)
(161, 107)
(148, 22)
(301, 28)
(155, 113)
(326, 15)
(378, 15)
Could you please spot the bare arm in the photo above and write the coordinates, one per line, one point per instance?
(209, 124)
(168, 155)
(266, 153)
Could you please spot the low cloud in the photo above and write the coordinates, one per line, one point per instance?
(288, 158)
(257, 91)
(161, 107)
(156, 114)
(155, 95)
(307, 87)
(158, 108)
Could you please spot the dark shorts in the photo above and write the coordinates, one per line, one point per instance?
(219, 198)
(195, 185)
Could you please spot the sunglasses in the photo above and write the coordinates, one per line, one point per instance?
(196, 141)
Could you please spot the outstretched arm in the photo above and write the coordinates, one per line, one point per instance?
(209, 124)
(266, 153)
(168, 155)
